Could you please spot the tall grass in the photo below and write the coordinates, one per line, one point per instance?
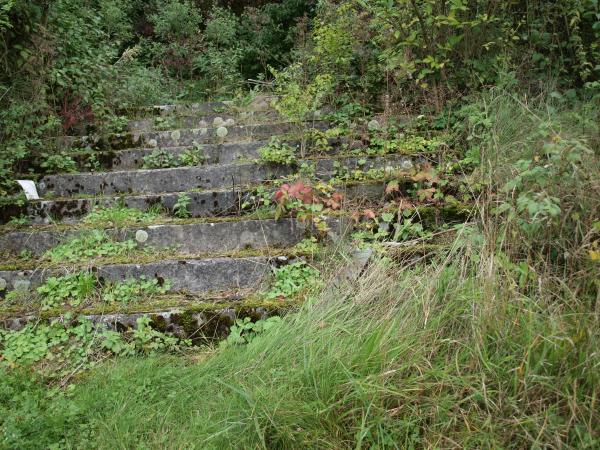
(448, 356)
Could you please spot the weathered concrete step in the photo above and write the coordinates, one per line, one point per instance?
(207, 120)
(183, 137)
(206, 177)
(185, 275)
(183, 108)
(204, 237)
(202, 204)
(200, 319)
(226, 153)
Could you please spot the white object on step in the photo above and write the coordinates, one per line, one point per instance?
(29, 188)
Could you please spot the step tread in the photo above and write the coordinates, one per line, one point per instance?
(216, 176)
(186, 273)
(195, 237)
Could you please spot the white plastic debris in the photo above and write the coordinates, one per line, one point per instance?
(218, 121)
(29, 188)
(2, 284)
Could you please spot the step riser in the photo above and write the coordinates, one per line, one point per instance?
(214, 154)
(201, 327)
(190, 238)
(165, 110)
(185, 137)
(204, 121)
(202, 204)
(194, 276)
(191, 178)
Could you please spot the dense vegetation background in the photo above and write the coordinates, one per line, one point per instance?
(495, 345)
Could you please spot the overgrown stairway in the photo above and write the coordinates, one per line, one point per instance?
(168, 215)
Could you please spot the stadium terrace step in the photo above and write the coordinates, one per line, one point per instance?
(184, 108)
(202, 204)
(196, 317)
(204, 120)
(183, 137)
(203, 237)
(184, 275)
(181, 179)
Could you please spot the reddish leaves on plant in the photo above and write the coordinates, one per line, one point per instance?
(73, 112)
(296, 191)
(426, 174)
(369, 214)
(426, 194)
(335, 201)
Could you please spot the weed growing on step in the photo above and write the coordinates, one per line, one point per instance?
(130, 291)
(309, 247)
(277, 152)
(163, 159)
(70, 289)
(119, 216)
(93, 244)
(58, 163)
(292, 279)
(61, 350)
(245, 330)
(181, 207)
(193, 156)
(18, 222)
(160, 159)
(75, 289)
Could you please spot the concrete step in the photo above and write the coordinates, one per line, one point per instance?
(199, 237)
(212, 203)
(185, 275)
(214, 153)
(206, 120)
(183, 137)
(200, 318)
(205, 177)
(182, 108)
